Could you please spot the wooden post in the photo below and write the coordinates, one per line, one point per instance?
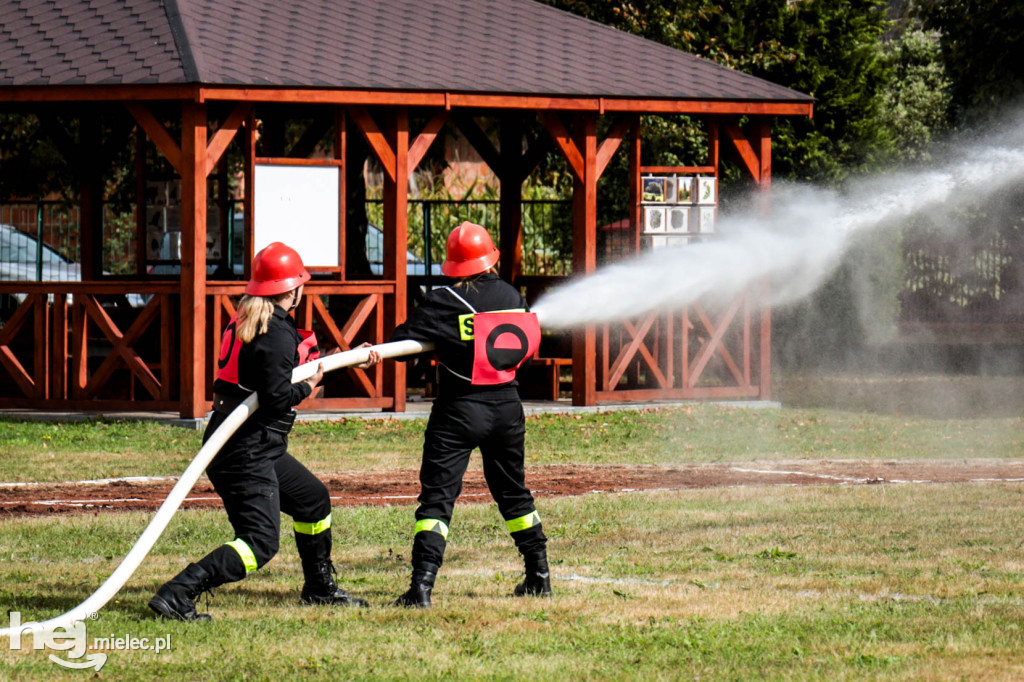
(764, 133)
(584, 258)
(193, 259)
(635, 217)
(249, 200)
(90, 199)
(396, 238)
(341, 154)
(510, 175)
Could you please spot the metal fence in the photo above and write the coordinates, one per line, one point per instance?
(547, 236)
(547, 230)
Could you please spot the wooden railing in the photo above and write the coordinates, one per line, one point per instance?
(682, 355)
(116, 346)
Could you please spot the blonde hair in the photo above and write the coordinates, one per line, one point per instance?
(254, 313)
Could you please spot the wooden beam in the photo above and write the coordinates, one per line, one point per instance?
(311, 136)
(122, 93)
(426, 138)
(536, 150)
(341, 153)
(156, 132)
(375, 138)
(480, 141)
(584, 253)
(222, 138)
(249, 200)
(635, 178)
(396, 237)
(510, 209)
(745, 149)
(564, 140)
(764, 133)
(193, 260)
(606, 150)
(90, 198)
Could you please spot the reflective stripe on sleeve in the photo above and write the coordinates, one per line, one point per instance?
(245, 553)
(523, 522)
(436, 525)
(312, 528)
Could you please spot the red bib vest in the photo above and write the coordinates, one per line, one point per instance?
(231, 346)
(502, 342)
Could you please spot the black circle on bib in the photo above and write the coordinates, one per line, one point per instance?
(503, 359)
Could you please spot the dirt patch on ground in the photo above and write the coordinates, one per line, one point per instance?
(401, 486)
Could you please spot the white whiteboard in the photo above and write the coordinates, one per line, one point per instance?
(298, 205)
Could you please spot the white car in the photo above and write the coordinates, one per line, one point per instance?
(18, 255)
(19, 262)
(375, 254)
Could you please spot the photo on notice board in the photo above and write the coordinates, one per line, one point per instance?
(653, 189)
(706, 190)
(684, 189)
(678, 219)
(654, 219)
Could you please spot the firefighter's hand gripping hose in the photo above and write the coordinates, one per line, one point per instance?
(163, 516)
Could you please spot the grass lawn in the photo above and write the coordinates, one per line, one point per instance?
(887, 581)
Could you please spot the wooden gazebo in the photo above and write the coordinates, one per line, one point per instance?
(196, 76)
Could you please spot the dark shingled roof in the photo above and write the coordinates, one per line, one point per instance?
(515, 47)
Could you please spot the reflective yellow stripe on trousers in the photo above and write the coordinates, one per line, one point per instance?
(312, 528)
(523, 522)
(436, 525)
(245, 552)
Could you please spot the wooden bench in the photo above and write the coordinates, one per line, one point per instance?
(552, 367)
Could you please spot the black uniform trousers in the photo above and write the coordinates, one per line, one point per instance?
(495, 423)
(257, 480)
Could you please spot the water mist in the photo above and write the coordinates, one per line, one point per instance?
(795, 237)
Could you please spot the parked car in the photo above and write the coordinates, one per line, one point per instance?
(19, 262)
(19, 253)
(375, 255)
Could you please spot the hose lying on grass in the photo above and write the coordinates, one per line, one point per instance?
(188, 479)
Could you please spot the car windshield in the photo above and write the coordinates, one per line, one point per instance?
(18, 247)
(18, 254)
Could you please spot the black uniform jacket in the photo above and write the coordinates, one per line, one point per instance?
(265, 365)
(437, 320)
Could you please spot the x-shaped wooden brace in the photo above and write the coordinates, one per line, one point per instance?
(344, 336)
(714, 344)
(7, 358)
(629, 351)
(123, 345)
(169, 147)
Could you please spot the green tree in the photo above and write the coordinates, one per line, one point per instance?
(826, 48)
(982, 42)
(916, 101)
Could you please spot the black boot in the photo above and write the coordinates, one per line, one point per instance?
(538, 577)
(320, 587)
(420, 586)
(176, 598)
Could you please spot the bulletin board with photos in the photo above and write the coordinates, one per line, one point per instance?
(677, 208)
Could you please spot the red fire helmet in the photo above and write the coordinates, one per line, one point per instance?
(470, 251)
(276, 269)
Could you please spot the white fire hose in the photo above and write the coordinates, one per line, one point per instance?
(163, 516)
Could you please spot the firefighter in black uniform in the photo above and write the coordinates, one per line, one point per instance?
(253, 473)
(471, 413)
